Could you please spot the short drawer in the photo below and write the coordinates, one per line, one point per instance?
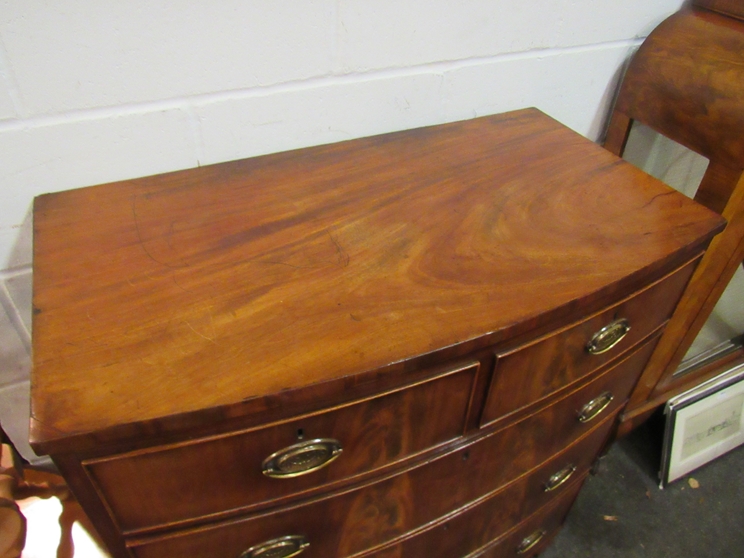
(223, 473)
(538, 437)
(534, 371)
(358, 520)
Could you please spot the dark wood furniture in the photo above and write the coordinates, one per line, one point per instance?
(687, 83)
(12, 521)
(17, 484)
(414, 344)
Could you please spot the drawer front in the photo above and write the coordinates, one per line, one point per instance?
(536, 438)
(478, 524)
(222, 473)
(352, 523)
(358, 520)
(534, 371)
(533, 535)
(478, 531)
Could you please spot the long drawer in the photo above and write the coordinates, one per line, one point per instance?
(352, 522)
(229, 472)
(488, 518)
(532, 536)
(478, 531)
(534, 371)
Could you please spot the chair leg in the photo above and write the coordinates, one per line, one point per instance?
(66, 547)
(72, 512)
(617, 133)
(12, 522)
(15, 486)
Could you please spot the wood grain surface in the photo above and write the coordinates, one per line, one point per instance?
(374, 434)
(732, 8)
(217, 286)
(686, 82)
(374, 513)
(533, 372)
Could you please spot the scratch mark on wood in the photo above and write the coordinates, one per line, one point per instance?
(142, 242)
(199, 334)
(343, 256)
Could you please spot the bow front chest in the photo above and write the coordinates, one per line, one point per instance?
(414, 344)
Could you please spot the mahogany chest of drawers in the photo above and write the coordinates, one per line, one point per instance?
(407, 345)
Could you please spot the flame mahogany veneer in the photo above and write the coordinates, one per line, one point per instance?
(414, 307)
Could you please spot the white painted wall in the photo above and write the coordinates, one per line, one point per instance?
(97, 91)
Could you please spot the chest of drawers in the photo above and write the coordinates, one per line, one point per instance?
(414, 344)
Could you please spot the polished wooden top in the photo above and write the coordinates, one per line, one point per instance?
(219, 285)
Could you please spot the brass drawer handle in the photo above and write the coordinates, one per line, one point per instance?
(283, 547)
(559, 478)
(607, 337)
(301, 459)
(595, 407)
(530, 541)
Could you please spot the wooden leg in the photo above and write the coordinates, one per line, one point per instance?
(66, 547)
(12, 529)
(14, 486)
(12, 522)
(617, 133)
(72, 512)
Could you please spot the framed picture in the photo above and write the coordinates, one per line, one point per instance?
(702, 424)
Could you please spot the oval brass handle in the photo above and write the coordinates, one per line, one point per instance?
(301, 459)
(607, 337)
(559, 478)
(530, 541)
(595, 407)
(283, 547)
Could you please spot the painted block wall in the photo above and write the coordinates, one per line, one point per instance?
(93, 92)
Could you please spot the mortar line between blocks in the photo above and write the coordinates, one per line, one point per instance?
(14, 90)
(14, 317)
(15, 271)
(195, 101)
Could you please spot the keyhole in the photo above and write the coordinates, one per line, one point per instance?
(300, 433)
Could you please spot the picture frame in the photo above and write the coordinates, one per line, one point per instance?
(703, 424)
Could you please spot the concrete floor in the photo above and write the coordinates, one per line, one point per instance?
(621, 512)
